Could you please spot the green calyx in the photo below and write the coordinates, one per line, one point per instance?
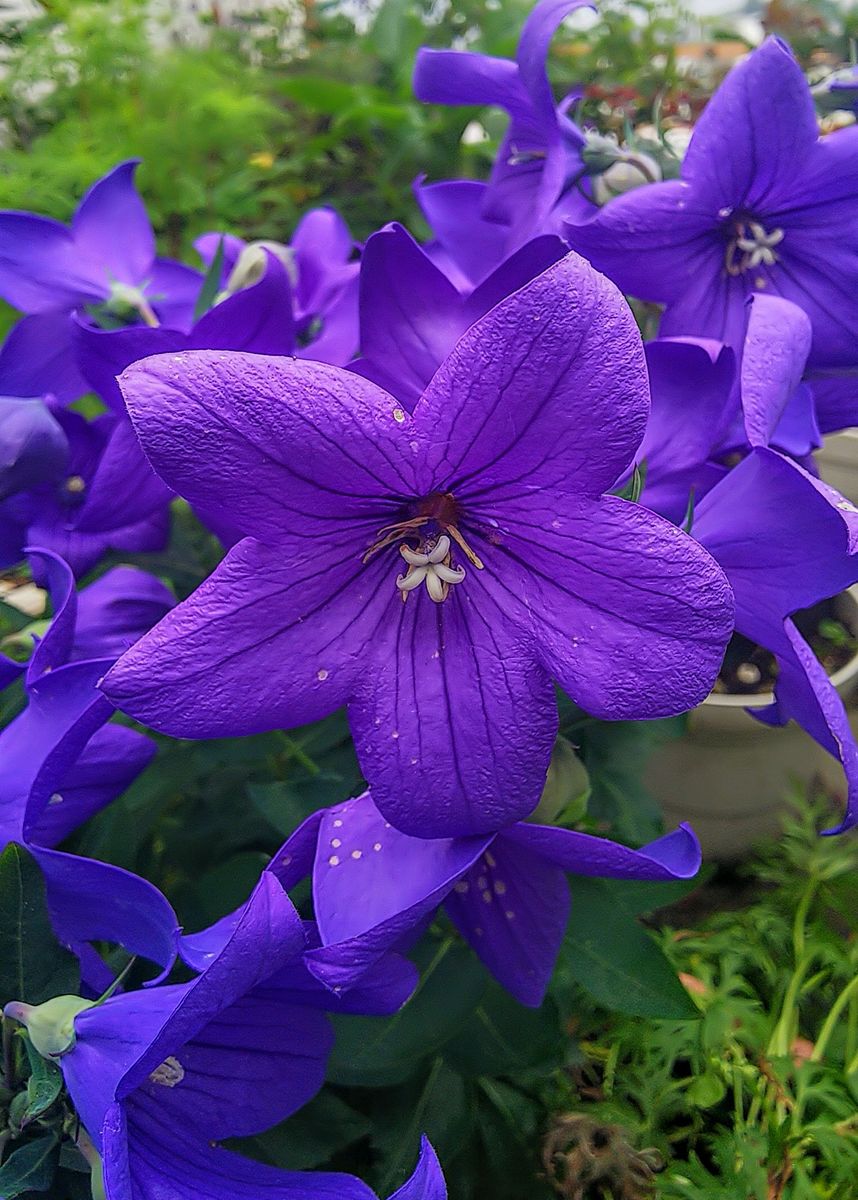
(50, 1025)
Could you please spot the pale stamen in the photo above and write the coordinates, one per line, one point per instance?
(432, 565)
(752, 247)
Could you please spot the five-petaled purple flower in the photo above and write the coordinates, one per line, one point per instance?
(432, 571)
(764, 204)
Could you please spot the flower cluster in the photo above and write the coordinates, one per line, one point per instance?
(450, 480)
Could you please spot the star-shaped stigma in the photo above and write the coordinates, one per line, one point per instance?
(433, 566)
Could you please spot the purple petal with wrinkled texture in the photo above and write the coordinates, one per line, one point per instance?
(105, 353)
(111, 229)
(257, 318)
(524, 399)
(38, 358)
(427, 1182)
(774, 355)
(512, 906)
(258, 421)
(631, 616)
(116, 610)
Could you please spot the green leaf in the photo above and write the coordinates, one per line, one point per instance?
(30, 1168)
(614, 753)
(607, 953)
(211, 284)
(502, 1038)
(310, 1138)
(378, 1051)
(34, 967)
(43, 1086)
(643, 896)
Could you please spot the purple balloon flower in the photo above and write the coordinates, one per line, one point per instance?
(319, 260)
(60, 762)
(33, 447)
(533, 187)
(483, 510)
(106, 256)
(764, 204)
(411, 315)
(160, 1077)
(507, 894)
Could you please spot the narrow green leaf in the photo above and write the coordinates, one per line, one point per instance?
(34, 967)
(43, 1086)
(30, 1168)
(211, 284)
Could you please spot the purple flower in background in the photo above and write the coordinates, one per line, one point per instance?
(435, 571)
(323, 275)
(466, 246)
(94, 491)
(106, 257)
(411, 315)
(507, 894)
(33, 447)
(764, 204)
(160, 1077)
(60, 762)
(536, 176)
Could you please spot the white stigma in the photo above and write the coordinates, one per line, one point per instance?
(431, 566)
(752, 247)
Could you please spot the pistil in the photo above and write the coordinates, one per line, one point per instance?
(432, 566)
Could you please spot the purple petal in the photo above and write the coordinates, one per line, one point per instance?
(782, 542)
(411, 315)
(41, 268)
(755, 133)
(207, 244)
(632, 618)
(373, 884)
(111, 229)
(516, 271)
(653, 242)
(549, 385)
(103, 354)
(173, 289)
(453, 210)
(123, 490)
(773, 360)
(337, 341)
(322, 245)
(54, 648)
(797, 433)
(804, 693)
(512, 906)
(836, 402)
(94, 901)
(691, 381)
(234, 432)
(457, 77)
(273, 639)
(676, 855)
(38, 359)
(453, 719)
(116, 610)
(147, 1156)
(536, 35)
(427, 1182)
(381, 992)
(33, 447)
(258, 318)
(109, 763)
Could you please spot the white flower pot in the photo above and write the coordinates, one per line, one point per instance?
(729, 775)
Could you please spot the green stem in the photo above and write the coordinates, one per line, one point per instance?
(850, 991)
(781, 1038)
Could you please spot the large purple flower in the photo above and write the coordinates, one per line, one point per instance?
(534, 184)
(764, 204)
(507, 894)
(60, 762)
(105, 257)
(433, 572)
(160, 1077)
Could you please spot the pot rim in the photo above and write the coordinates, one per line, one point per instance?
(841, 677)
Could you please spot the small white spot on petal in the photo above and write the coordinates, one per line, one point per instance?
(490, 859)
(398, 415)
(482, 883)
(500, 887)
(322, 675)
(357, 853)
(487, 896)
(337, 824)
(395, 734)
(334, 860)
(462, 887)
(56, 798)
(509, 914)
(336, 843)
(286, 860)
(377, 846)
